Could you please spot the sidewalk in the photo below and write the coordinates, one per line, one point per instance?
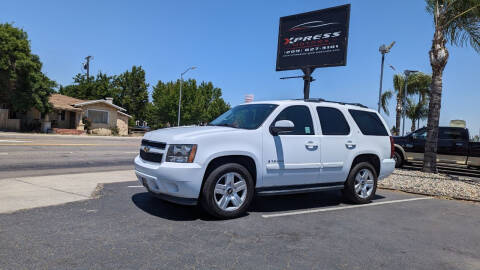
(10, 134)
(31, 192)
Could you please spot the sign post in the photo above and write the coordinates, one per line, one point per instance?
(312, 40)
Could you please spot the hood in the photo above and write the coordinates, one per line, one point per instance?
(187, 133)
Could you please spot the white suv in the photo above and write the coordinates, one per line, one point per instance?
(268, 148)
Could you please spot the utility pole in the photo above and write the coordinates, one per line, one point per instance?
(86, 66)
(383, 50)
(180, 96)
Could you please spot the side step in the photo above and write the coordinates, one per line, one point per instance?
(294, 189)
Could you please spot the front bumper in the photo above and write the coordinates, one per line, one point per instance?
(175, 182)
(386, 168)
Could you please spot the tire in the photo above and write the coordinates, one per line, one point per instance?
(366, 186)
(223, 198)
(398, 159)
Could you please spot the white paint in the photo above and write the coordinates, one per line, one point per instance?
(135, 186)
(3, 154)
(14, 141)
(292, 213)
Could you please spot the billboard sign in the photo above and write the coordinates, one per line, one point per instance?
(313, 39)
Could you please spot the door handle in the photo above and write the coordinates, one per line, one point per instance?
(311, 145)
(350, 145)
(459, 144)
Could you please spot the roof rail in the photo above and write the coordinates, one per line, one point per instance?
(330, 101)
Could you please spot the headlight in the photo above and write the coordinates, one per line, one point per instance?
(182, 153)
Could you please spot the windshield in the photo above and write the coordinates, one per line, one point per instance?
(245, 116)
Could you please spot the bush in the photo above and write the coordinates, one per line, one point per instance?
(115, 131)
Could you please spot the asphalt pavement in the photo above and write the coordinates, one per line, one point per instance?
(126, 228)
(35, 155)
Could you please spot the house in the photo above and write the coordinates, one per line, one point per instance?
(68, 114)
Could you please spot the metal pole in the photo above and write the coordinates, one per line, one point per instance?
(381, 83)
(180, 99)
(307, 79)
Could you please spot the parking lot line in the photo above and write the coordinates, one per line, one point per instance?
(135, 186)
(342, 207)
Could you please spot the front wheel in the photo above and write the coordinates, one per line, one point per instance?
(227, 191)
(398, 159)
(361, 184)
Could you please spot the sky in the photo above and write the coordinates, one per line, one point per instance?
(234, 43)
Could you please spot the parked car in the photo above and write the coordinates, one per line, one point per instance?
(453, 147)
(268, 148)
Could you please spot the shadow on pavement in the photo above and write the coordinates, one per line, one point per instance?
(171, 211)
(300, 201)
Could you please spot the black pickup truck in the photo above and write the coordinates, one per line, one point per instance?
(454, 147)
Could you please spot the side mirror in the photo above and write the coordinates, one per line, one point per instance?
(281, 127)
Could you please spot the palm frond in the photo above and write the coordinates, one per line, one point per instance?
(386, 96)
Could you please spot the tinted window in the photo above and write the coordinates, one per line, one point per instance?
(301, 118)
(332, 121)
(420, 134)
(452, 134)
(369, 123)
(245, 116)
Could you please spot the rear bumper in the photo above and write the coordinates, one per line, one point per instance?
(386, 168)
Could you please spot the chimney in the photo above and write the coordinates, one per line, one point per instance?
(109, 100)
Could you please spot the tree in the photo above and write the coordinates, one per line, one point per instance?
(132, 92)
(129, 90)
(99, 87)
(200, 103)
(22, 83)
(418, 83)
(457, 22)
(415, 111)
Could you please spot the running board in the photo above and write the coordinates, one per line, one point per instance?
(283, 190)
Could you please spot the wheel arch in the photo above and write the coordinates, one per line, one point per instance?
(246, 160)
(370, 158)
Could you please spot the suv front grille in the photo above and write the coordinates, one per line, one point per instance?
(159, 145)
(149, 156)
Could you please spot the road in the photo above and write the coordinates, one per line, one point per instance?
(35, 155)
(128, 229)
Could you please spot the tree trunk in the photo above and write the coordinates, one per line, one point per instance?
(413, 125)
(438, 61)
(398, 114)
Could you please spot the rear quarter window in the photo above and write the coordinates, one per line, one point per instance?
(369, 123)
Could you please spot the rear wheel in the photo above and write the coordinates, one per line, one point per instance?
(361, 184)
(228, 191)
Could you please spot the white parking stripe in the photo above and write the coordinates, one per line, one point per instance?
(341, 207)
(14, 141)
(135, 186)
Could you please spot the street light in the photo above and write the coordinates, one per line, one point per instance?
(384, 49)
(407, 74)
(180, 97)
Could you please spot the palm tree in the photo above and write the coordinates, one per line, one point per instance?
(398, 86)
(457, 22)
(418, 83)
(416, 111)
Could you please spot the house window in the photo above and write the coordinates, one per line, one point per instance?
(98, 117)
(62, 115)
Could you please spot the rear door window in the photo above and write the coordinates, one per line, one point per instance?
(369, 123)
(332, 121)
(301, 118)
(452, 134)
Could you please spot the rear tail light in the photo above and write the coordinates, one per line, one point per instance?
(392, 147)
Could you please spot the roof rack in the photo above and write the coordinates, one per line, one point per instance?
(338, 102)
